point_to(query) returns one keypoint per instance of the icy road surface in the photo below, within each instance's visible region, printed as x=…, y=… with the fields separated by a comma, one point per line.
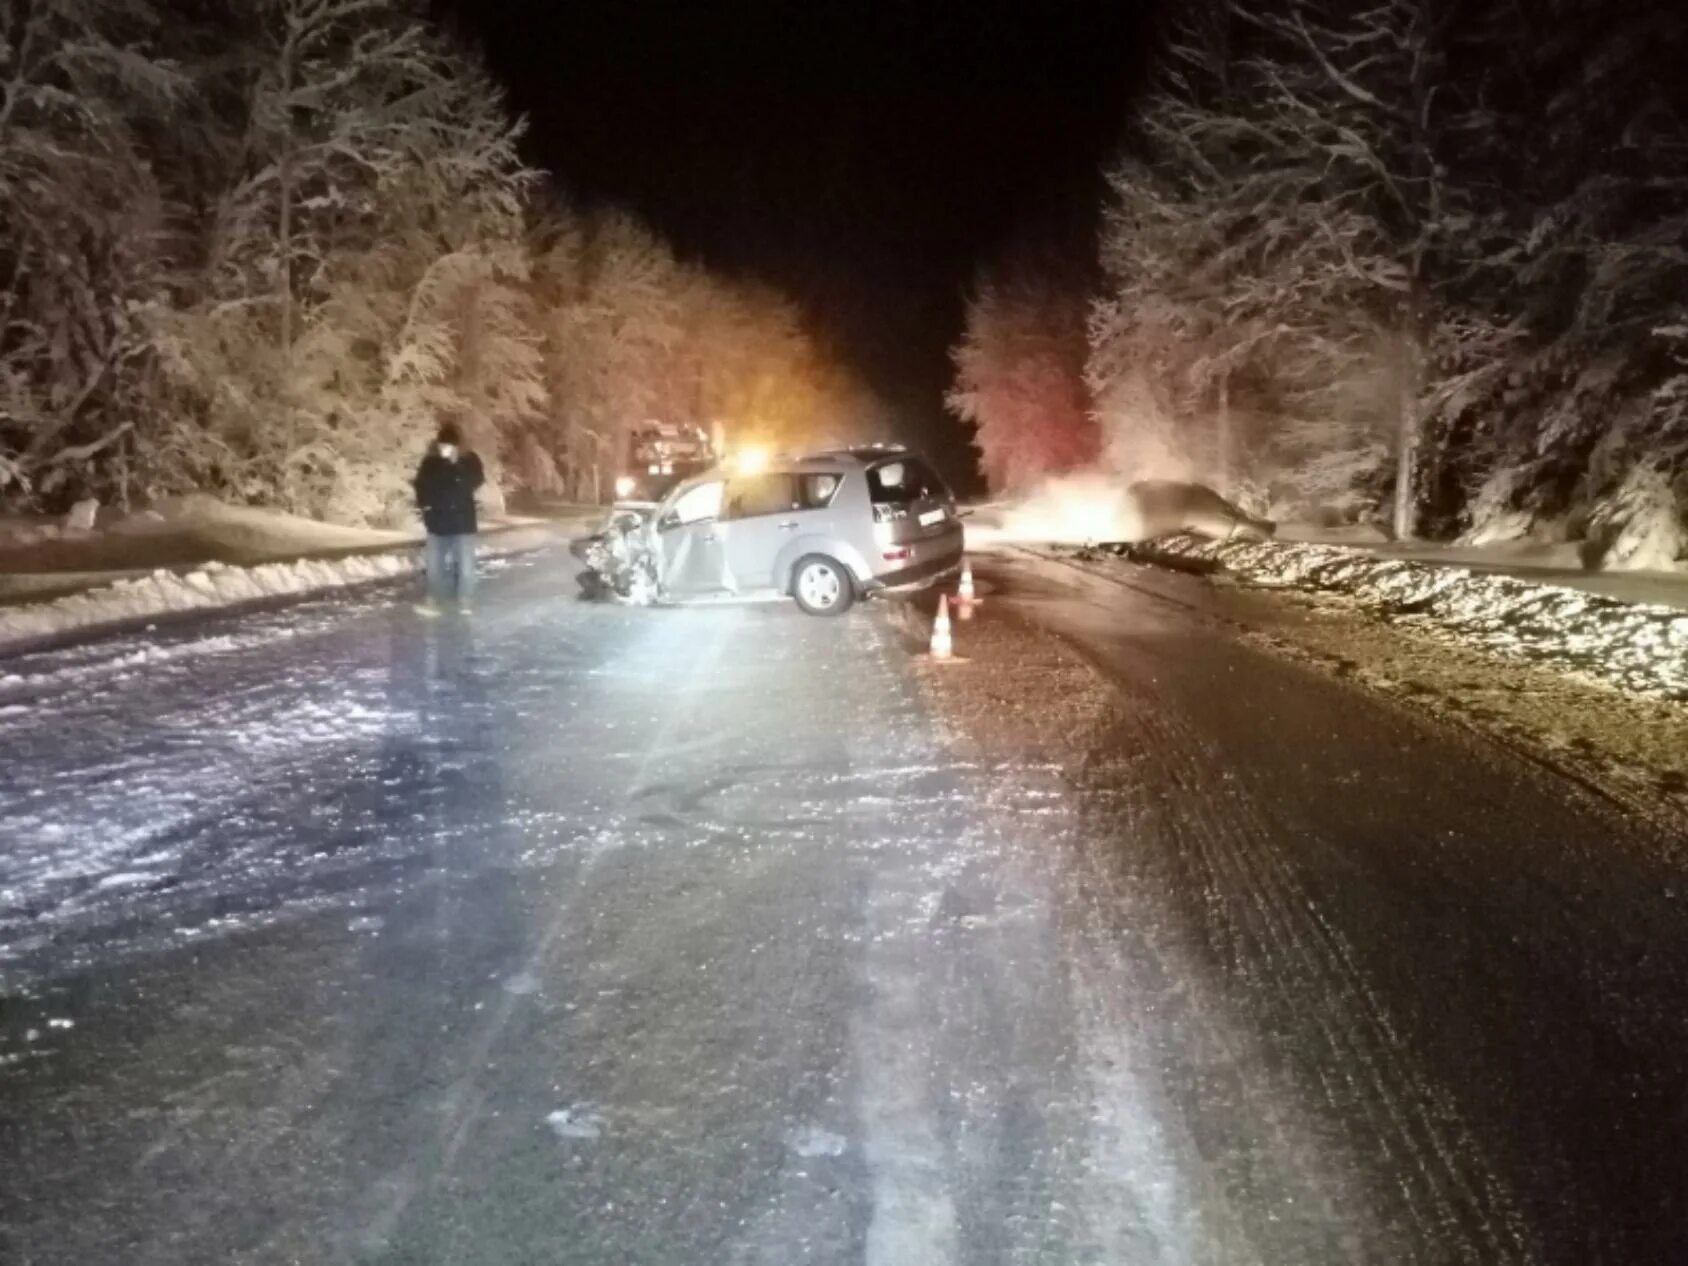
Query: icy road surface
x=586, y=934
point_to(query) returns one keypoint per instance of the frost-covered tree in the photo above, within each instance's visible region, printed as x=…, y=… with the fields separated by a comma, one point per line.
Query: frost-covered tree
x=1421, y=256
x=1580, y=432
x=761, y=371
x=1355, y=96
x=365, y=273
x=608, y=293
x=82, y=223
x=261, y=248
x=630, y=334
x=1280, y=244
x=1239, y=332
x=1019, y=372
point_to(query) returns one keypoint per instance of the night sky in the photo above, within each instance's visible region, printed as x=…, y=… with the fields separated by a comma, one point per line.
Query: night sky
x=863, y=158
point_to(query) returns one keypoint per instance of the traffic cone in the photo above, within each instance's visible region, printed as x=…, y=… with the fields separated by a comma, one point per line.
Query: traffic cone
x=965, y=598
x=942, y=647
x=965, y=593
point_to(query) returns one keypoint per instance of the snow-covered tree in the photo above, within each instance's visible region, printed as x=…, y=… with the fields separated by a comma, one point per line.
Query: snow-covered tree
x=607, y=291
x=1279, y=242
x=82, y=222
x=631, y=334
x=1423, y=256
x=261, y=248
x=1582, y=430
x=366, y=274
x=1020, y=369
x=761, y=371
x=1237, y=324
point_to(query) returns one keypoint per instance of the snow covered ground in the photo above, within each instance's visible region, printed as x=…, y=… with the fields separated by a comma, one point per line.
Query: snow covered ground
x=724, y=934
x=39, y=553
x=1091, y=510
x=211, y=586
x=1217, y=775
x=163, y=591
x=1640, y=648
x=717, y=935
x=1546, y=562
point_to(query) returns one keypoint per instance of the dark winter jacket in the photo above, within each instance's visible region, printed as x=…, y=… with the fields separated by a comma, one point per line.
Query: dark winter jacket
x=445, y=492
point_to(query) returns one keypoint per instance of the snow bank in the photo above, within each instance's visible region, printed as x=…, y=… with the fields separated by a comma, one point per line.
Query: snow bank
x=214, y=585
x=1639, y=527
x=255, y=531
x=1630, y=646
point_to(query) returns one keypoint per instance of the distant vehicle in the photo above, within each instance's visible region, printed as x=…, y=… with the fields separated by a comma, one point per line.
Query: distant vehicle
x=1160, y=507
x=660, y=455
x=824, y=529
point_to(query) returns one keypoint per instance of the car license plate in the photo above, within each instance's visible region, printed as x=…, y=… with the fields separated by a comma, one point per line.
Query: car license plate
x=931, y=517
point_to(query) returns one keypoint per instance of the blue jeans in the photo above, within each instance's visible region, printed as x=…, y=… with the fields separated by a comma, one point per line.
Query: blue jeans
x=451, y=567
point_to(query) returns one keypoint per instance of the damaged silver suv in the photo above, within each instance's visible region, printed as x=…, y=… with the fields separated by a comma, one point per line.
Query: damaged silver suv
x=824, y=529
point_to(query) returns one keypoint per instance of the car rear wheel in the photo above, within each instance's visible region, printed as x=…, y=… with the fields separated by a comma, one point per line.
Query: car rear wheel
x=822, y=585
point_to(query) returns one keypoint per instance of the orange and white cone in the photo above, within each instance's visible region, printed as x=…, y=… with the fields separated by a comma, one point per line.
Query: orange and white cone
x=965, y=597
x=942, y=647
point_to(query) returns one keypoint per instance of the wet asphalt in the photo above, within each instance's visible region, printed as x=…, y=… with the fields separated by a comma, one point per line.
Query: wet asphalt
x=576, y=933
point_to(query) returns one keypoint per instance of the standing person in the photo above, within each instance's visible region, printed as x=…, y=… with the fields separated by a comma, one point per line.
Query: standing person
x=445, y=493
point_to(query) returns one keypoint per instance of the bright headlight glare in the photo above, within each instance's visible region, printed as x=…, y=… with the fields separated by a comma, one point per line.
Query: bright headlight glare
x=751, y=460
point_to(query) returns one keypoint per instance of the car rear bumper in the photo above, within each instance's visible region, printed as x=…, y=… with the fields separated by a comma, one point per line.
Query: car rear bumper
x=925, y=572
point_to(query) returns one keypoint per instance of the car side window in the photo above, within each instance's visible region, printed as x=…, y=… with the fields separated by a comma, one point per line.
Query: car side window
x=816, y=491
x=697, y=505
x=771, y=492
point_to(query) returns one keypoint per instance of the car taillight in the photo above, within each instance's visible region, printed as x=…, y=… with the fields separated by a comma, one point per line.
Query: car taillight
x=896, y=555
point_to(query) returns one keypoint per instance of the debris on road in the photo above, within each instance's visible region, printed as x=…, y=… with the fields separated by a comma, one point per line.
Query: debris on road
x=576, y=1122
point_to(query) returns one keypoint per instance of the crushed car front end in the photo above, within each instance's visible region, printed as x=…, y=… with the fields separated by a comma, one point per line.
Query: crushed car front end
x=620, y=562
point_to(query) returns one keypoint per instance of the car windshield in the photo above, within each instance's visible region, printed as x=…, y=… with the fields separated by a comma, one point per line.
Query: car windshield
x=902, y=480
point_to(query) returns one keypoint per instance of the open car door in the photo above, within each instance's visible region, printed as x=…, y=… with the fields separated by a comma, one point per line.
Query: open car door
x=691, y=562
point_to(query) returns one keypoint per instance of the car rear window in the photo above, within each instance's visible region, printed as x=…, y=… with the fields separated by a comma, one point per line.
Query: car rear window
x=904, y=479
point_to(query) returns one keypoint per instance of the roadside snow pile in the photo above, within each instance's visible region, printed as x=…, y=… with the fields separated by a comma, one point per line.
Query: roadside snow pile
x=1633, y=647
x=214, y=585
x=255, y=533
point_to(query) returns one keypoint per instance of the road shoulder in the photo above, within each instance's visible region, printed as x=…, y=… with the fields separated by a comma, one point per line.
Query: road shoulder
x=1628, y=749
